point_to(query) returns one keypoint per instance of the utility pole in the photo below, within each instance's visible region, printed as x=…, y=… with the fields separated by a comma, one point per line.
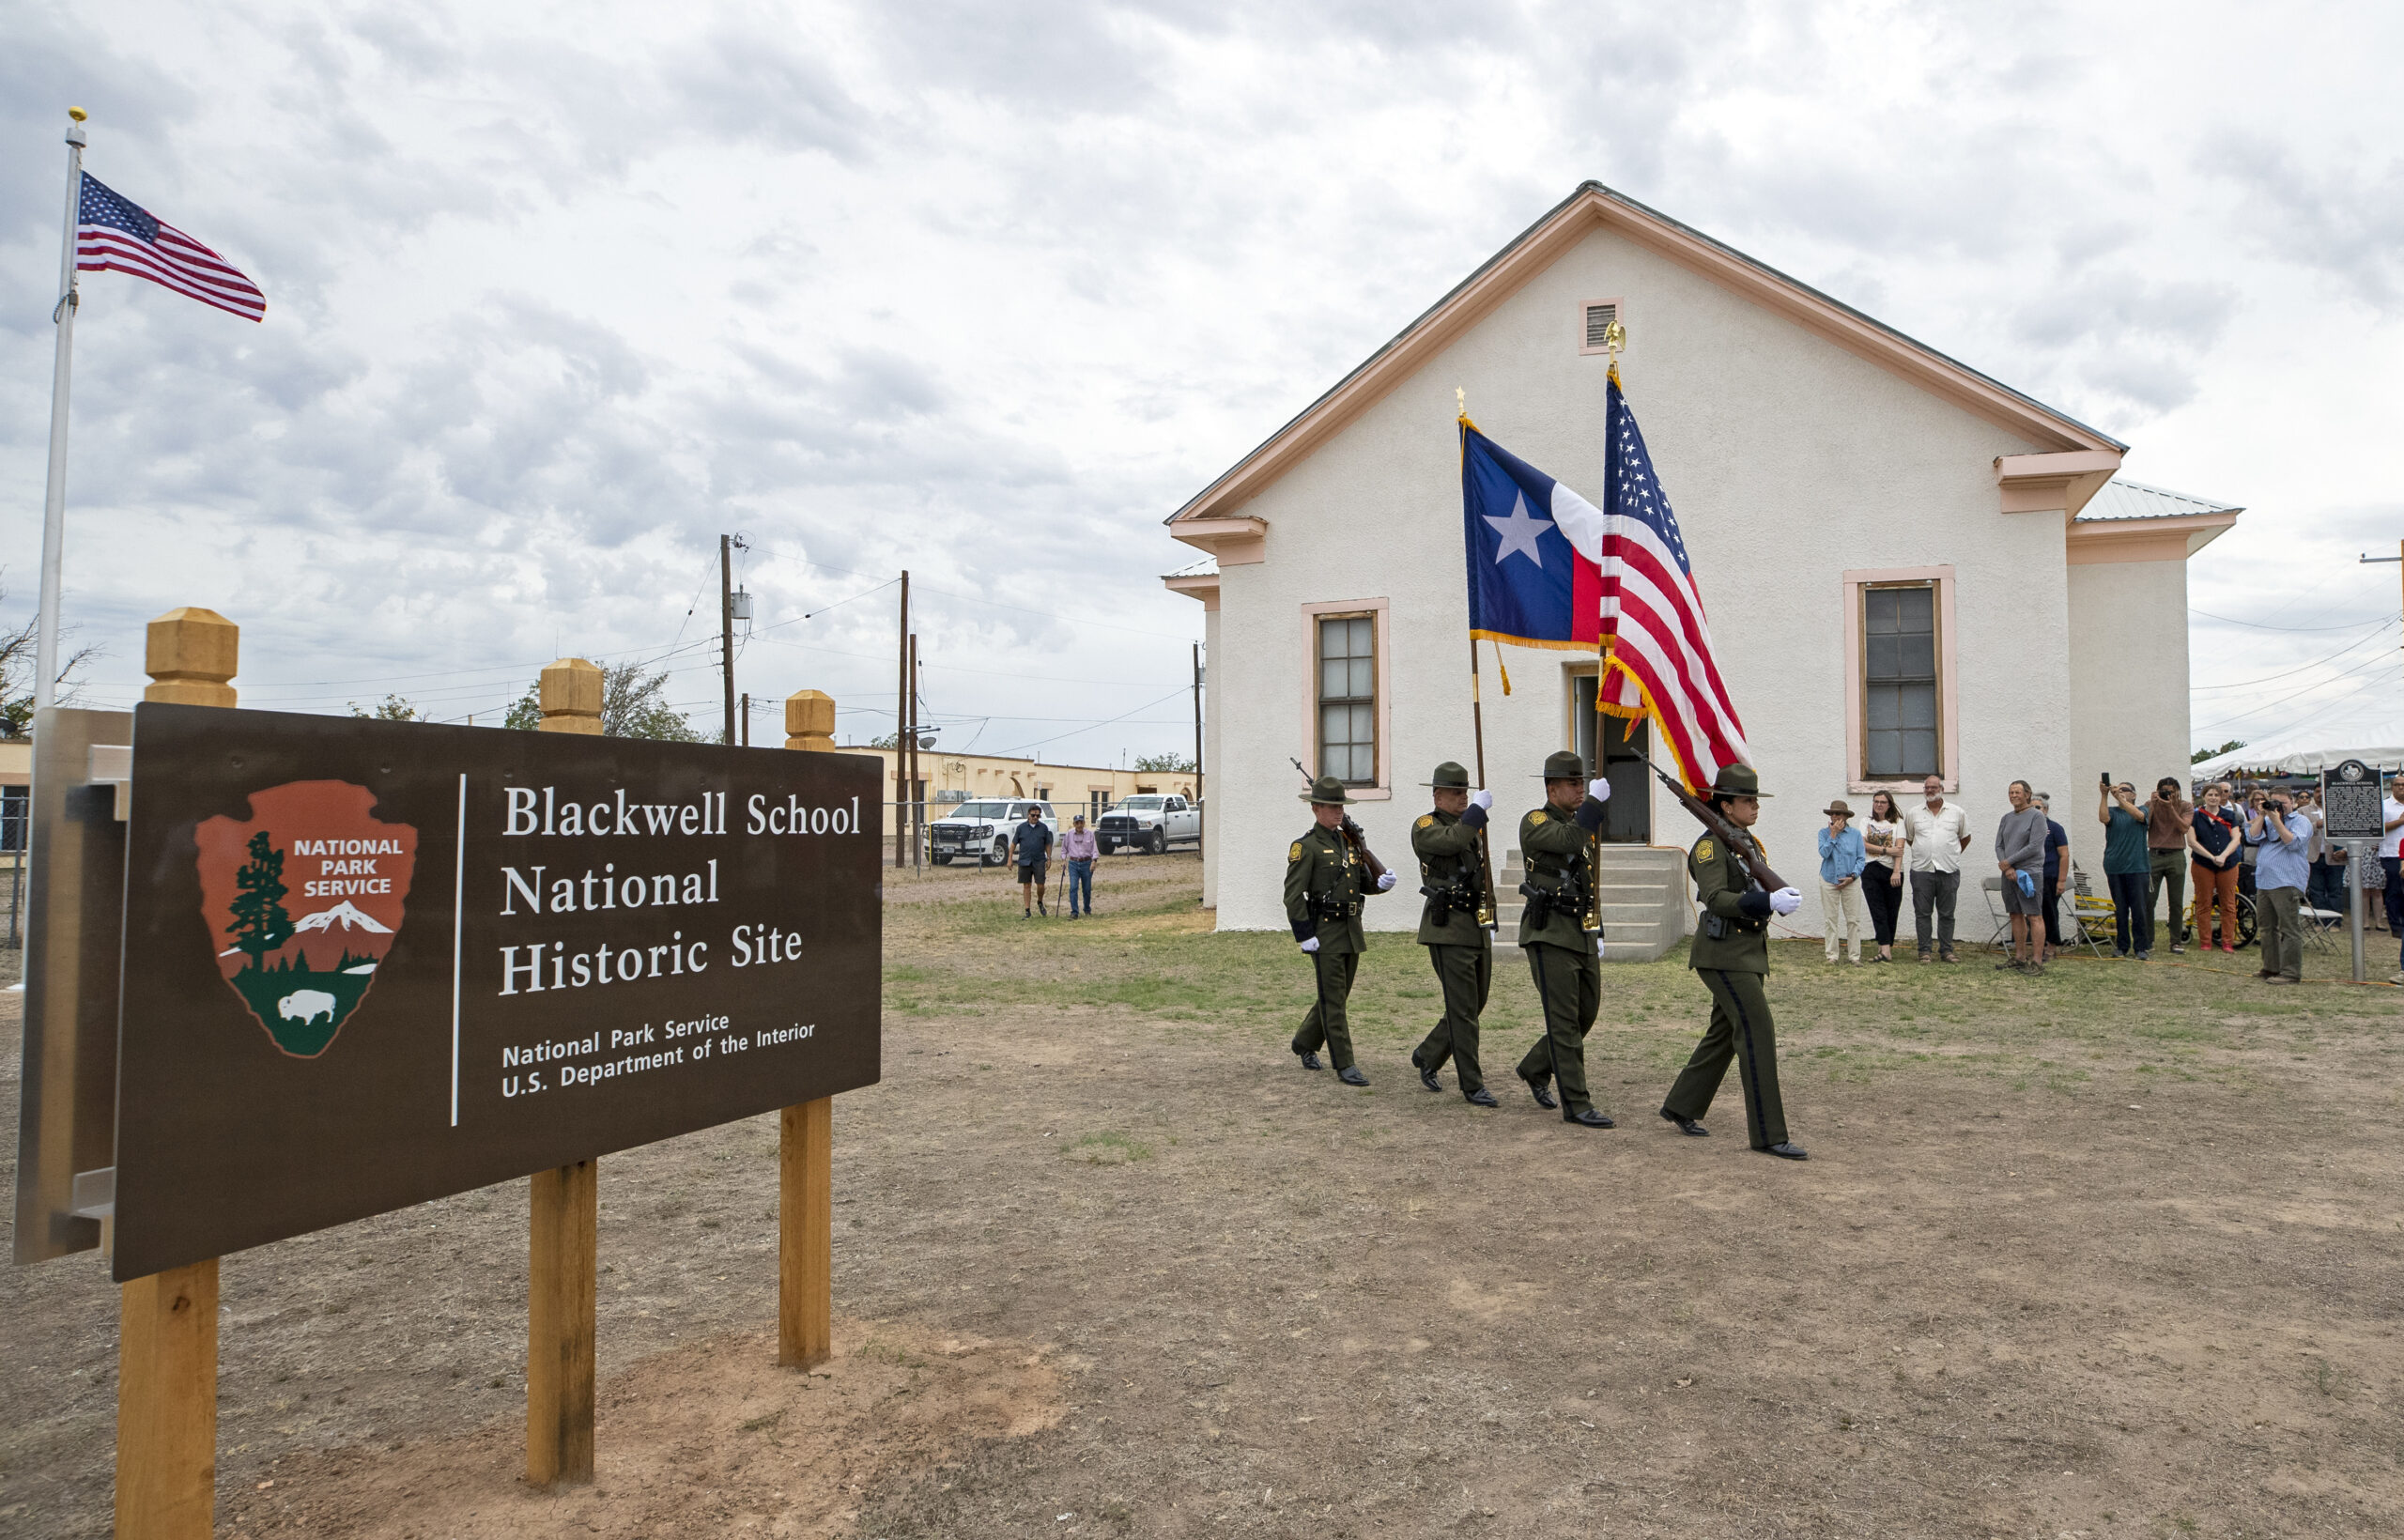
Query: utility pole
x=918, y=809
x=731, y=607
x=747, y=719
x=901, y=729
x=2375, y=560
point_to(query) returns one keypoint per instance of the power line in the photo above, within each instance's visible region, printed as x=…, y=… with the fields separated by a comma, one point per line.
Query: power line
x=1105, y=722
x=973, y=598
x=2366, y=637
x=2371, y=663
x=2258, y=625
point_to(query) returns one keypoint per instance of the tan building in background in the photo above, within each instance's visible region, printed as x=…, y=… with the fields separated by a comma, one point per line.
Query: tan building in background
x=953, y=778
x=16, y=784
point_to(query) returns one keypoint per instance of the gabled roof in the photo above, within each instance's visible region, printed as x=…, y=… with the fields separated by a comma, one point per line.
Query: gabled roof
x=1544, y=242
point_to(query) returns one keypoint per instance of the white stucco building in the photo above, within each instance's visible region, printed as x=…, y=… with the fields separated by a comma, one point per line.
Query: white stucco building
x=1909, y=565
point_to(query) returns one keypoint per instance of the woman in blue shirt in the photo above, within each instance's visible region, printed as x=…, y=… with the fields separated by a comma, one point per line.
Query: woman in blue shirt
x=1840, y=862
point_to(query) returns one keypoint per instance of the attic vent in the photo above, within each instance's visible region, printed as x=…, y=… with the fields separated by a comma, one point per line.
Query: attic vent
x=1599, y=316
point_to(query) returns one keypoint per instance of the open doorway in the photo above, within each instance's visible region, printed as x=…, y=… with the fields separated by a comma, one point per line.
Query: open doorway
x=1626, y=751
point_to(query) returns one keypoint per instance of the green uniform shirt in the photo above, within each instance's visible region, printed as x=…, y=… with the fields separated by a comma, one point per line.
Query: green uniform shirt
x=1323, y=889
x=1449, y=858
x=1720, y=882
x=1560, y=854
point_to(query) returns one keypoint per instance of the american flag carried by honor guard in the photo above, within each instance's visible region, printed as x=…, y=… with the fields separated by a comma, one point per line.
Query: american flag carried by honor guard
x=1656, y=641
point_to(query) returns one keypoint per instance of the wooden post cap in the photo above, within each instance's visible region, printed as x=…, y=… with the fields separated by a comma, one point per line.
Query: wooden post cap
x=809, y=720
x=571, y=697
x=189, y=653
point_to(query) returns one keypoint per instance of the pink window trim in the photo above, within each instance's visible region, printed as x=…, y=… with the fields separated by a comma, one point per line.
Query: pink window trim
x=1619, y=313
x=1380, y=611
x=1949, y=710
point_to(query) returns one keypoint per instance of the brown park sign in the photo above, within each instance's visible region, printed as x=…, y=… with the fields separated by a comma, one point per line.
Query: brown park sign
x=371, y=964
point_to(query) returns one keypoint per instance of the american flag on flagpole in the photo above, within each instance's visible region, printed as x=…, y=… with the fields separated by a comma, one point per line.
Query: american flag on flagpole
x=1656, y=640
x=112, y=233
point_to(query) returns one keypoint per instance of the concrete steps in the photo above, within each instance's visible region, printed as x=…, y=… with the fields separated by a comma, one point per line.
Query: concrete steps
x=1644, y=903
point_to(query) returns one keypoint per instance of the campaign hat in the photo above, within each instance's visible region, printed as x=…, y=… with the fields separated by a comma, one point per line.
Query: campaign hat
x=1326, y=789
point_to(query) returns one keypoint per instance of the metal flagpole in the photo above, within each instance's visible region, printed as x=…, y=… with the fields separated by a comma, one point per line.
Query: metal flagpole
x=1478, y=715
x=53, y=510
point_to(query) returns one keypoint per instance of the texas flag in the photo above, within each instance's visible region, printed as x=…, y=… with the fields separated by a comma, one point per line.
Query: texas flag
x=1530, y=584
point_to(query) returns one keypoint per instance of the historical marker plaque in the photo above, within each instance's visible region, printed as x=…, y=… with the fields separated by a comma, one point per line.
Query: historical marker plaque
x=2349, y=801
x=370, y=964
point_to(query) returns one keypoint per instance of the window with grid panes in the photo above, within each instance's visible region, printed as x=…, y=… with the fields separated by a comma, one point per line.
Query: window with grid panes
x=1899, y=736
x=1347, y=699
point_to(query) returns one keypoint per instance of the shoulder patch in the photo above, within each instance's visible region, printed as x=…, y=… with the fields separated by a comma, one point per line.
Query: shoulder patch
x=1707, y=849
x=1424, y=819
x=1294, y=854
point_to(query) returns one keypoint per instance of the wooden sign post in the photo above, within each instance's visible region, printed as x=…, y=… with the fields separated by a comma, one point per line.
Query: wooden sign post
x=564, y=1214
x=727, y=901
x=166, y=1345
x=805, y=1151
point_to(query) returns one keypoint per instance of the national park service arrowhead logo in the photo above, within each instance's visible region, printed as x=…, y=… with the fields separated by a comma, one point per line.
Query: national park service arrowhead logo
x=303, y=901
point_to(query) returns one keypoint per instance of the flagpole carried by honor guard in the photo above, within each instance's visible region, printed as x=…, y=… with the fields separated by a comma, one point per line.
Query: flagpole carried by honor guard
x=53, y=510
x=1477, y=728
x=1614, y=338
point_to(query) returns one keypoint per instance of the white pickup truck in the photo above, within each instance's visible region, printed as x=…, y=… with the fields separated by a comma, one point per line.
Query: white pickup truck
x=1150, y=822
x=982, y=830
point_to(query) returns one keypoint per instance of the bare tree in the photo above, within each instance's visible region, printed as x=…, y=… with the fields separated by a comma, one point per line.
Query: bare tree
x=18, y=650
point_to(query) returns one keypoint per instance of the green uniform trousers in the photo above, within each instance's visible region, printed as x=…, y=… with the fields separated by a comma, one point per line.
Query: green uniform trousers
x=1467, y=976
x=1740, y=1028
x=1569, y=981
x=1326, y=1026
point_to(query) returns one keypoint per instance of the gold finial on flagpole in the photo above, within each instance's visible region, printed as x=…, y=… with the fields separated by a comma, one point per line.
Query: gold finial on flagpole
x=76, y=113
x=1614, y=338
x=1462, y=396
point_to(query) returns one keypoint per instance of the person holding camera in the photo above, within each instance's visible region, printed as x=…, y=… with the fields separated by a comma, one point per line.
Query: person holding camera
x=2168, y=813
x=2281, y=836
x=2128, y=865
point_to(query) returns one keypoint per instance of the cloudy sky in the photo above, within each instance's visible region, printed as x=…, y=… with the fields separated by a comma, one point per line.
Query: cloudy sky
x=559, y=293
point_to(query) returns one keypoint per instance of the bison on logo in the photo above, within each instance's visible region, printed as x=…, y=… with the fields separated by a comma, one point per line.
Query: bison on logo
x=302, y=901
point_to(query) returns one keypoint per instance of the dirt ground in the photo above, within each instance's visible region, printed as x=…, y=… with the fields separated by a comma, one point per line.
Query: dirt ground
x=2113, y=1252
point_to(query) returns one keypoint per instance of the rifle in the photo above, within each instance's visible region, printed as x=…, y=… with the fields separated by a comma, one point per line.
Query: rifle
x=1708, y=816
x=1353, y=837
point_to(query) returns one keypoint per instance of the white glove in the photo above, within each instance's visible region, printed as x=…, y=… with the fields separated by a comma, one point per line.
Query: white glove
x=1385, y=882
x=1311, y=946
x=1786, y=900
x=1598, y=945
x=1599, y=790
x=1481, y=798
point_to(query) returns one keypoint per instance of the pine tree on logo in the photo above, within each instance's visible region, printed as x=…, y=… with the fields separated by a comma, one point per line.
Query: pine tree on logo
x=260, y=924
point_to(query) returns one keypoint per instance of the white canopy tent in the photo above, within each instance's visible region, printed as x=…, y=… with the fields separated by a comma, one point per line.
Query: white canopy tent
x=2307, y=753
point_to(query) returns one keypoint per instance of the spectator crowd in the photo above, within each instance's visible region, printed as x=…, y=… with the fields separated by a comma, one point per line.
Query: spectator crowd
x=2230, y=846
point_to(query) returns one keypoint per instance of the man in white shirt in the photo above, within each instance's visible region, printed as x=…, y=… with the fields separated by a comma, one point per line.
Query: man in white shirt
x=2391, y=818
x=1938, y=833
